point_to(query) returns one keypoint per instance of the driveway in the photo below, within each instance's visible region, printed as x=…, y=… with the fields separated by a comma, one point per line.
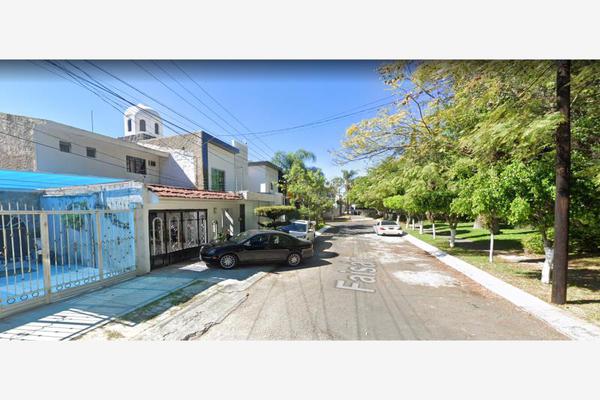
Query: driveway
x=360, y=286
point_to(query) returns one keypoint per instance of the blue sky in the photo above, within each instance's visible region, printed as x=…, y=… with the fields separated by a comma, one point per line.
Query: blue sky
x=264, y=95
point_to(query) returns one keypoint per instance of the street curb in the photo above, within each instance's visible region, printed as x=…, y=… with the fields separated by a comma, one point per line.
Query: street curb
x=225, y=287
x=571, y=326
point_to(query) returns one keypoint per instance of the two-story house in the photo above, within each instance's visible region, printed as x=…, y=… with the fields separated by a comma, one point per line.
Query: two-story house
x=194, y=186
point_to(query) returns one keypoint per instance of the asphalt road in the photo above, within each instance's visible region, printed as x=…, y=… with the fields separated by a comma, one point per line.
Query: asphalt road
x=363, y=287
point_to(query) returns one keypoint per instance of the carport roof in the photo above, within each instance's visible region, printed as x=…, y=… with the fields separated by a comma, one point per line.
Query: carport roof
x=185, y=193
x=30, y=180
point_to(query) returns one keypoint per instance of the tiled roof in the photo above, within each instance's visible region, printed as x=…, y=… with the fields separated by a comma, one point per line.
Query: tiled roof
x=183, y=193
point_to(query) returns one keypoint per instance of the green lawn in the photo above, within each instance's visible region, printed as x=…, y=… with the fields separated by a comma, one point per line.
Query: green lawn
x=584, y=270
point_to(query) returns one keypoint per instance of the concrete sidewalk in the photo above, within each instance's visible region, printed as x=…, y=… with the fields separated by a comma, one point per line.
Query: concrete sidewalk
x=73, y=317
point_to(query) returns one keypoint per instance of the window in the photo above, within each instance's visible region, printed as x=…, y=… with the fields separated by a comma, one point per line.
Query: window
x=128, y=124
x=258, y=240
x=217, y=180
x=152, y=163
x=64, y=146
x=156, y=129
x=142, y=125
x=281, y=241
x=90, y=152
x=136, y=165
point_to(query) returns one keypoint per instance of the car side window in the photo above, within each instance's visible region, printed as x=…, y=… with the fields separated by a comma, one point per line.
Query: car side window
x=258, y=240
x=280, y=241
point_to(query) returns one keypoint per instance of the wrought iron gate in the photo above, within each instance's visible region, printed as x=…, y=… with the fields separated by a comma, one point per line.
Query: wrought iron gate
x=46, y=255
x=176, y=235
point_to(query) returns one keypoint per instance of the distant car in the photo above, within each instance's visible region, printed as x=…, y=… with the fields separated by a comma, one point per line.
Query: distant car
x=387, y=228
x=256, y=246
x=299, y=228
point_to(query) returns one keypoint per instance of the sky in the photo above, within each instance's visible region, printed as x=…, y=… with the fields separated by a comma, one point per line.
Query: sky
x=263, y=95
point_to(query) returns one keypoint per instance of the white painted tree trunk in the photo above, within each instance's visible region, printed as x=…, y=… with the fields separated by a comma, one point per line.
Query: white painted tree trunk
x=413, y=224
x=548, y=264
x=452, y=237
x=433, y=232
x=492, y=247
x=421, y=227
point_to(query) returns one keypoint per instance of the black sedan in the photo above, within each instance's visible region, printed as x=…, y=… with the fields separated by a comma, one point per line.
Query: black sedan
x=256, y=246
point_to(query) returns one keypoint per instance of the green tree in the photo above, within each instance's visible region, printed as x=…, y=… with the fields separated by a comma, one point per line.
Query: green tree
x=310, y=189
x=347, y=177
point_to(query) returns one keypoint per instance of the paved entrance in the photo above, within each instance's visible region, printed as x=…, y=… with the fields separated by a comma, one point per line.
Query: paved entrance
x=70, y=318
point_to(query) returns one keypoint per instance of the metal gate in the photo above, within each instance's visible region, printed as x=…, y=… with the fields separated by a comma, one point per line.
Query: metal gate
x=46, y=255
x=176, y=235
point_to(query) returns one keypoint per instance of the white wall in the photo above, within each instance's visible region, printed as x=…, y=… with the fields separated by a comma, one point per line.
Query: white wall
x=151, y=117
x=224, y=160
x=260, y=178
x=241, y=164
x=110, y=158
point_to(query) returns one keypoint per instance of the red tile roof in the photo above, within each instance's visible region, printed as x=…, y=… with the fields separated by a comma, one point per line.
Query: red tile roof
x=183, y=193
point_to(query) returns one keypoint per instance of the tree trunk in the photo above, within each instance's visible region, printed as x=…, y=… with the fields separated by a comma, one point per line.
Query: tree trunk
x=421, y=226
x=452, y=236
x=491, y=246
x=407, y=222
x=563, y=174
x=433, y=231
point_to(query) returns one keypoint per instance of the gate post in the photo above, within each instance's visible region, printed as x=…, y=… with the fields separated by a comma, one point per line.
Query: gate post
x=142, y=238
x=99, y=245
x=44, y=236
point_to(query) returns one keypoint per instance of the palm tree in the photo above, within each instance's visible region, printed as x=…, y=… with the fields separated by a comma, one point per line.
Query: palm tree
x=285, y=160
x=348, y=176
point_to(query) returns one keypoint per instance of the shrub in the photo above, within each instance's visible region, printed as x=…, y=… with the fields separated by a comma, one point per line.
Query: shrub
x=533, y=244
x=581, y=240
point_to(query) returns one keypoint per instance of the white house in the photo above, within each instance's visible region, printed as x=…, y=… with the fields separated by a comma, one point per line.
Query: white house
x=186, y=177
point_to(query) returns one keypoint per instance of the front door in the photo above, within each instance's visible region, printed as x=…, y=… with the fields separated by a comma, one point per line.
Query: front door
x=256, y=249
x=176, y=235
x=279, y=246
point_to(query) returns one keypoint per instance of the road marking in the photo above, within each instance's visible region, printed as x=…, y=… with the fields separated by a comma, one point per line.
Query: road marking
x=360, y=273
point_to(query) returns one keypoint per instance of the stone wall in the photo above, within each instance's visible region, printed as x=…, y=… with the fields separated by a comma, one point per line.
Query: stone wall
x=16, y=153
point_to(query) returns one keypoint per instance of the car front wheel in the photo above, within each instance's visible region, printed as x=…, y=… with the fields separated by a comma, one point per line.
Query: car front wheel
x=228, y=261
x=294, y=259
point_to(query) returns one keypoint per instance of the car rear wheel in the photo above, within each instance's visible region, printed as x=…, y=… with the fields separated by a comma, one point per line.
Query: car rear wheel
x=228, y=261
x=294, y=259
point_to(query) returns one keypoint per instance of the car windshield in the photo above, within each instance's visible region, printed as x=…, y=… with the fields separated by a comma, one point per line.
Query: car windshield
x=388, y=223
x=240, y=237
x=298, y=227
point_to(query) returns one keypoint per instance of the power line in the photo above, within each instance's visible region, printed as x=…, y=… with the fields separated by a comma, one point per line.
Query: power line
x=177, y=93
x=219, y=104
x=166, y=121
x=272, y=132
x=264, y=153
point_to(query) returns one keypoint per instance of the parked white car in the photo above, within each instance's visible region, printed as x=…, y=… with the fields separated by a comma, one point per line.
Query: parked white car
x=301, y=229
x=387, y=228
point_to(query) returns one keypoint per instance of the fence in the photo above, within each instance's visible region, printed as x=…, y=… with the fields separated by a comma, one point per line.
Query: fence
x=46, y=255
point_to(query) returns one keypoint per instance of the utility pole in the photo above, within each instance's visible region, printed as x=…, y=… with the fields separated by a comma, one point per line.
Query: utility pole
x=563, y=174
